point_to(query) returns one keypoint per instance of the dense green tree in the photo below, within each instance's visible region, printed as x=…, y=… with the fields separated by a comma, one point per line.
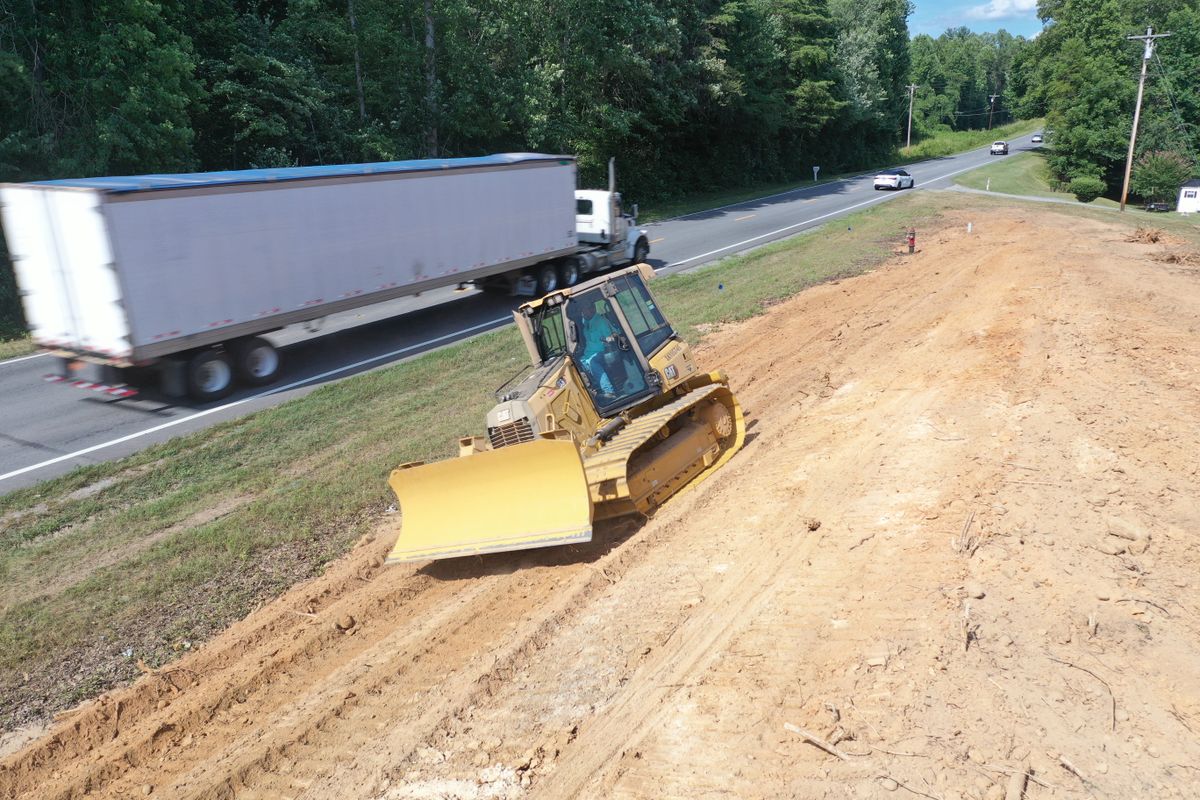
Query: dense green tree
x=106, y=87
x=872, y=57
x=1158, y=174
x=1084, y=75
x=967, y=80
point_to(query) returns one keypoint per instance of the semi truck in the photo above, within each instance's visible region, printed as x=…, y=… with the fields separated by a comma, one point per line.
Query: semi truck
x=170, y=281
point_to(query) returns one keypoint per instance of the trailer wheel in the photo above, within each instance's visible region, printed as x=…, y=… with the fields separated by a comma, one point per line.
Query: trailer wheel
x=547, y=279
x=641, y=250
x=209, y=375
x=255, y=360
x=568, y=272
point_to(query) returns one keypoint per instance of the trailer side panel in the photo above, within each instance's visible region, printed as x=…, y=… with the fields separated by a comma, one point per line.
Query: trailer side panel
x=202, y=260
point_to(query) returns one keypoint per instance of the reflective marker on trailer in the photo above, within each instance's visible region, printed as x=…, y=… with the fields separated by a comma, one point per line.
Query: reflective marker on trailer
x=112, y=391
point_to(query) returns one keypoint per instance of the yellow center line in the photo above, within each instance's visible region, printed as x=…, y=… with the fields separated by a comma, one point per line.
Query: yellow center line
x=656, y=241
x=811, y=200
x=748, y=216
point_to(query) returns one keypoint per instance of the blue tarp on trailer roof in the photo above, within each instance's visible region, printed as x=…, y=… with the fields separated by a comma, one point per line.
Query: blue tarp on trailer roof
x=143, y=183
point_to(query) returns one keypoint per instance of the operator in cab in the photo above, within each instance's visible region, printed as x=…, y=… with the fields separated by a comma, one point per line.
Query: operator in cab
x=598, y=333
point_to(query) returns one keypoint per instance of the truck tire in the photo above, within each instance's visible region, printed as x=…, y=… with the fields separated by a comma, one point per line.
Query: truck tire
x=209, y=375
x=641, y=250
x=547, y=279
x=255, y=361
x=568, y=272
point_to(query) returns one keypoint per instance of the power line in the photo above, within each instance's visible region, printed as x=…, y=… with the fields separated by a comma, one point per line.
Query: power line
x=1166, y=83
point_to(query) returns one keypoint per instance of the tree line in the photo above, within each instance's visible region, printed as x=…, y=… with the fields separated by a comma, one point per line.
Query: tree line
x=689, y=95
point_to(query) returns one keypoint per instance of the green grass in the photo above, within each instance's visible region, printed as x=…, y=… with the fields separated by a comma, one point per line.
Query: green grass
x=174, y=543
x=1023, y=173
x=1028, y=174
x=19, y=346
x=951, y=142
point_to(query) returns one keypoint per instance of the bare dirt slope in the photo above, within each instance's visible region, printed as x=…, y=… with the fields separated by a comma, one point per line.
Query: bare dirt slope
x=961, y=543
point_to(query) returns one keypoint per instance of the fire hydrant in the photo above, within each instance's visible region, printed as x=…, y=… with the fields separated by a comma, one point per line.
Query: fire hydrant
x=912, y=240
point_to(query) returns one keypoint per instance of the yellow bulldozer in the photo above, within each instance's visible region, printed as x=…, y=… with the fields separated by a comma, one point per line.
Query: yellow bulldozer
x=612, y=418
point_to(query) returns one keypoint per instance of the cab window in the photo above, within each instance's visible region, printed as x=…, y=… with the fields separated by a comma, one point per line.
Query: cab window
x=583, y=208
x=645, y=320
x=551, y=339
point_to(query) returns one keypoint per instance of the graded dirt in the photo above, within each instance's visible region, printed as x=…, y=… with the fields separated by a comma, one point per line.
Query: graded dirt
x=998, y=439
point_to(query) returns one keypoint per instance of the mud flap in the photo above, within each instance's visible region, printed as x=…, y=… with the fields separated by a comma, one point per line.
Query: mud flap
x=515, y=498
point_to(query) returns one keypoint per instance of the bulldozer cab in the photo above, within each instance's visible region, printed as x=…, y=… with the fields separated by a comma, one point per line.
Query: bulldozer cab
x=609, y=328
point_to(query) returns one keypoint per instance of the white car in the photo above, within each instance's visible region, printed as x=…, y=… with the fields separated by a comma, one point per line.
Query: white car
x=999, y=149
x=1037, y=138
x=894, y=179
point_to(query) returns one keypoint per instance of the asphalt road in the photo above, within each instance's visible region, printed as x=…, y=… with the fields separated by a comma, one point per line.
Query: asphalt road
x=47, y=429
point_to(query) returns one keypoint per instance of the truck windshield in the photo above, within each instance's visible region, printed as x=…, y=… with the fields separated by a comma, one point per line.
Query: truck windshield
x=548, y=331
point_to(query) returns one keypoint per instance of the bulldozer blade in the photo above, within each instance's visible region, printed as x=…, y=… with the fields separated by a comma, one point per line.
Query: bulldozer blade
x=515, y=498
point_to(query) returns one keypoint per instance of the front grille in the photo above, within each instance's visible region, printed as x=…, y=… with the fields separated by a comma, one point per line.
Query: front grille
x=514, y=432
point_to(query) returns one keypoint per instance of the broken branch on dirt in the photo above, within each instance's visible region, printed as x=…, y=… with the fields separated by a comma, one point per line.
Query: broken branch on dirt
x=1175, y=713
x=815, y=740
x=302, y=613
x=1071, y=768
x=1147, y=602
x=964, y=543
x=1028, y=773
x=1111, y=696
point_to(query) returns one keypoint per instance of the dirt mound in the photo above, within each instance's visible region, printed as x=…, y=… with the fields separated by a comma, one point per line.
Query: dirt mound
x=960, y=544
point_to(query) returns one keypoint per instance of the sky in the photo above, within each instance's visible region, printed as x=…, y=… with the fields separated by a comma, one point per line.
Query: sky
x=1018, y=17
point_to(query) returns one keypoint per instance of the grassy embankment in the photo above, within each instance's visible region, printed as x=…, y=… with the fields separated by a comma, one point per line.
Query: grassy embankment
x=17, y=346
x=948, y=144
x=138, y=558
x=1028, y=174
x=943, y=144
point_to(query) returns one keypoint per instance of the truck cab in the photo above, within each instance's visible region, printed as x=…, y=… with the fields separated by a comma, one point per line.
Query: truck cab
x=600, y=217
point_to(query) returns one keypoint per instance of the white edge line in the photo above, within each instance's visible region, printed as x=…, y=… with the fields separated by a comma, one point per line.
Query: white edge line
x=808, y=221
x=22, y=358
x=244, y=400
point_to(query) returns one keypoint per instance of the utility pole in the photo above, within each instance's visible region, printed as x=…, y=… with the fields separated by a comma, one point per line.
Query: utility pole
x=912, y=88
x=1137, y=110
x=991, y=108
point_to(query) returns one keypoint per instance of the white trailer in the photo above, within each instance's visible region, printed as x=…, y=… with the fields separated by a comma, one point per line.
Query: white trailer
x=183, y=273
